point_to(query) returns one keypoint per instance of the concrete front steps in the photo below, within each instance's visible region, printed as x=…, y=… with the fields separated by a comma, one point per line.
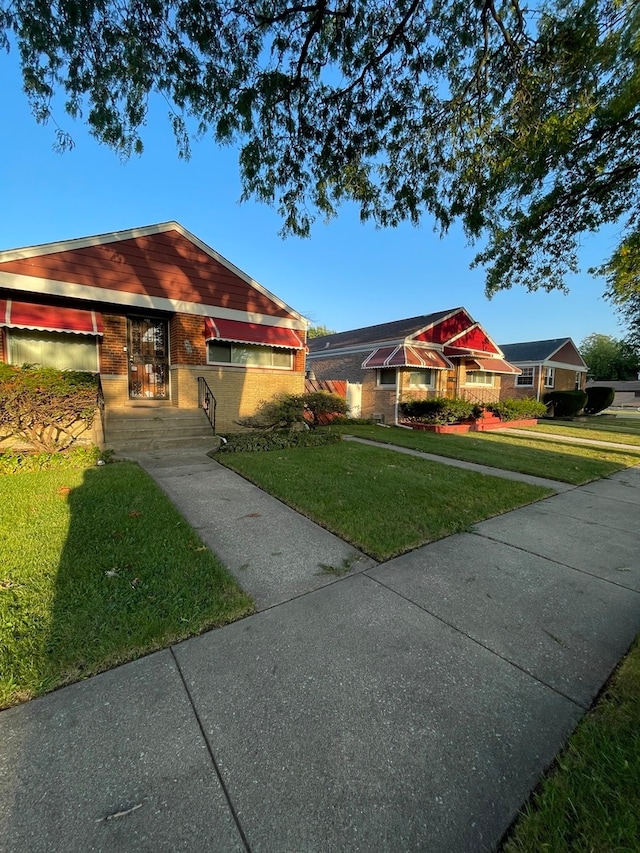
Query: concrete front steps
x=153, y=427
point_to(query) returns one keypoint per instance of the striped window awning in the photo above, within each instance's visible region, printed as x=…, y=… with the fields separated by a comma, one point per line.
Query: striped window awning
x=406, y=356
x=251, y=333
x=47, y=318
x=492, y=365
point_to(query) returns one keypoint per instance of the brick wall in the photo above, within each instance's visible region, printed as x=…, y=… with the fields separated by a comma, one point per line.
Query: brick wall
x=114, y=359
x=238, y=391
x=186, y=339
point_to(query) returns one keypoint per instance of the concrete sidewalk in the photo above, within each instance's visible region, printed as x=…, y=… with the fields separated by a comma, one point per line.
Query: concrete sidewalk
x=410, y=705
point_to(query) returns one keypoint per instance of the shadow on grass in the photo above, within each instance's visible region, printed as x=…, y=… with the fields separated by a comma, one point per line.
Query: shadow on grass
x=133, y=577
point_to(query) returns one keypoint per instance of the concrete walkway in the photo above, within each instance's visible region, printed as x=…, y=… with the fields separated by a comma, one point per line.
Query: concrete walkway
x=405, y=706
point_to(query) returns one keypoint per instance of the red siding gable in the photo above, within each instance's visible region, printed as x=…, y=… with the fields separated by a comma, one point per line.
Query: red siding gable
x=166, y=265
x=446, y=329
x=475, y=339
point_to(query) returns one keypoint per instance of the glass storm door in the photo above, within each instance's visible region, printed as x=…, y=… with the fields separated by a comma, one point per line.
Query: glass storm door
x=148, y=359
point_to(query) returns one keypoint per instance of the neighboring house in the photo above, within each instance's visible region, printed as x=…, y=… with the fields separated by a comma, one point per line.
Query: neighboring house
x=554, y=365
x=446, y=354
x=150, y=310
x=627, y=393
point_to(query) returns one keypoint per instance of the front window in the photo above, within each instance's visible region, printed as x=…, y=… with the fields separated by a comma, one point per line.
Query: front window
x=53, y=349
x=248, y=355
x=421, y=379
x=387, y=377
x=548, y=377
x=525, y=379
x=480, y=377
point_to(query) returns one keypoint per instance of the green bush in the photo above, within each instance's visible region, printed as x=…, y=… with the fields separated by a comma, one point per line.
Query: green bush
x=45, y=407
x=438, y=410
x=513, y=409
x=254, y=442
x=565, y=404
x=598, y=399
x=321, y=407
x=285, y=411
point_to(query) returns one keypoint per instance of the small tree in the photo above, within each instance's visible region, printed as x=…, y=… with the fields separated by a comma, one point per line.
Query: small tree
x=321, y=407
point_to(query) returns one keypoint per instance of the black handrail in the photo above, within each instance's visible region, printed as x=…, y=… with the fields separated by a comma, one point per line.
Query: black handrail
x=101, y=407
x=207, y=401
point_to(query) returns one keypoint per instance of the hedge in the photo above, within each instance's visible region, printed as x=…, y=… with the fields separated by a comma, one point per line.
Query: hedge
x=565, y=404
x=598, y=398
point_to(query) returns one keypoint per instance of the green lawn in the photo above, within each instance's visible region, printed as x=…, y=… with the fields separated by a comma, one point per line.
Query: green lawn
x=526, y=454
x=382, y=503
x=97, y=568
x=590, y=801
x=618, y=430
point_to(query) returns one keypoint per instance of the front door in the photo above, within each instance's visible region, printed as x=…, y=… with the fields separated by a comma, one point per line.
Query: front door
x=148, y=358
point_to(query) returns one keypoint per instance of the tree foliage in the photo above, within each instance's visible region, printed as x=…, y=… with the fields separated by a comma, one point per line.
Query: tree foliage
x=609, y=359
x=319, y=331
x=522, y=122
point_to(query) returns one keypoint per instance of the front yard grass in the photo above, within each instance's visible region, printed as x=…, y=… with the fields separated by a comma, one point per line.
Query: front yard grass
x=590, y=801
x=569, y=463
x=382, y=503
x=618, y=430
x=97, y=568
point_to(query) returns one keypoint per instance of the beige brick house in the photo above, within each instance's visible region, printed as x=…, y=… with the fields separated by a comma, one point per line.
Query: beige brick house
x=150, y=310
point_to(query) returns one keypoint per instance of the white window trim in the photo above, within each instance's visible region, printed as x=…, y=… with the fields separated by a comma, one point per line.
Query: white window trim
x=549, y=377
x=235, y=365
x=520, y=376
x=490, y=384
x=427, y=385
x=379, y=384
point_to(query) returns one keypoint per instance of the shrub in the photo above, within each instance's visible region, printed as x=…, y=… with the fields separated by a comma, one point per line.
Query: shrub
x=45, y=407
x=321, y=407
x=565, y=404
x=598, y=398
x=282, y=412
x=513, y=409
x=438, y=410
x=288, y=410
x=254, y=442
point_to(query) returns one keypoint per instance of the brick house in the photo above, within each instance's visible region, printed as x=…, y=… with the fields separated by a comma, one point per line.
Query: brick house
x=554, y=365
x=445, y=354
x=150, y=310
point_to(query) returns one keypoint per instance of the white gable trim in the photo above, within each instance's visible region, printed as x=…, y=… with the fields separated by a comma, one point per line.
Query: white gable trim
x=36, y=286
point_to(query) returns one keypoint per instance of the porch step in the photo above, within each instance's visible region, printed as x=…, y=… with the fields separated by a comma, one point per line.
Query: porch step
x=155, y=428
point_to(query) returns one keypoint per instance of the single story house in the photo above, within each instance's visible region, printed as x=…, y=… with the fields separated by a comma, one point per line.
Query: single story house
x=553, y=365
x=150, y=310
x=445, y=354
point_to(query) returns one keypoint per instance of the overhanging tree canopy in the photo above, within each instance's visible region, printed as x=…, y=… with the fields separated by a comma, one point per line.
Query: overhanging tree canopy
x=521, y=122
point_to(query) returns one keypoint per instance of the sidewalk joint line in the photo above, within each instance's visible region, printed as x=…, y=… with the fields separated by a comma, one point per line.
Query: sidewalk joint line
x=556, y=562
x=225, y=791
x=481, y=644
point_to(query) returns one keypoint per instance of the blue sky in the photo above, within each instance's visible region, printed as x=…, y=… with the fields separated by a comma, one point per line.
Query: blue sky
x=346, y=275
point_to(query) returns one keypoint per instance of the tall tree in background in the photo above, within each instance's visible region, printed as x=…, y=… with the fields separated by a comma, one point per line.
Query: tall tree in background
x=609, y=359
x=521, y=122
x=319, y=331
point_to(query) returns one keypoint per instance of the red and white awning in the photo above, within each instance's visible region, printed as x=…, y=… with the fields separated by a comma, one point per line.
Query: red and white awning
x=46, y=318
x=251, y=333
x=406, y=356
x=493, y=365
